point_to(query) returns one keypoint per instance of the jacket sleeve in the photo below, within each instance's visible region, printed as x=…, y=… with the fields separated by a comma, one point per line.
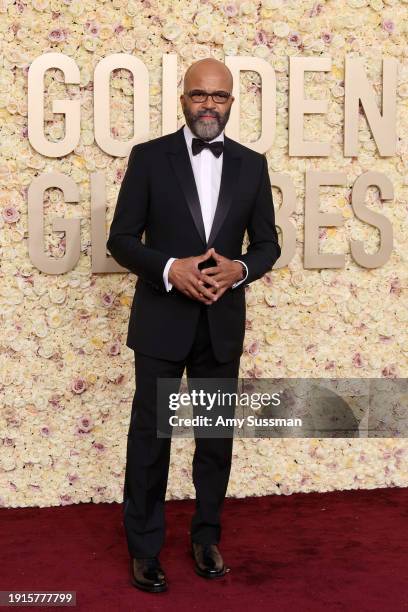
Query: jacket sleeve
x=128, y=224
x=263, y=249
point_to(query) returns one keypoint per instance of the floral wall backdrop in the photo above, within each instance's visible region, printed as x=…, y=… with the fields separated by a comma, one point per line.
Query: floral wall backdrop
x=66, y=376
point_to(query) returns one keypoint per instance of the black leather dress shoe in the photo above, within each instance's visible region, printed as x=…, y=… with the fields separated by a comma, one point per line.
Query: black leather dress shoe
x=208, y=560
x=148, y=575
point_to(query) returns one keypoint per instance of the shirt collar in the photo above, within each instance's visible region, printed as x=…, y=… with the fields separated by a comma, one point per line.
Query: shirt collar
x=188, y=134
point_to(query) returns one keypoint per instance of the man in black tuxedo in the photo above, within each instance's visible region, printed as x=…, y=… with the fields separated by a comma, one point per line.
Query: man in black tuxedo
x=193, y=193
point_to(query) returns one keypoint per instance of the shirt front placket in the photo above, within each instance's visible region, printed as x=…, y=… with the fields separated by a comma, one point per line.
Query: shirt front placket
x=205, y=183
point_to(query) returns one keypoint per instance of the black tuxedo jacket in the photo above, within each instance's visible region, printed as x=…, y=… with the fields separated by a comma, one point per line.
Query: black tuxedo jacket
x=159, y=197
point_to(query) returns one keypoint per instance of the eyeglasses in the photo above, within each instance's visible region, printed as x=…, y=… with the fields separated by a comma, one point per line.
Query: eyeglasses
x=219, y=97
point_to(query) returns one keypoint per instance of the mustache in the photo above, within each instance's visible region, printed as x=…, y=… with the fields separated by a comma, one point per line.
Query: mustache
x=206, y=113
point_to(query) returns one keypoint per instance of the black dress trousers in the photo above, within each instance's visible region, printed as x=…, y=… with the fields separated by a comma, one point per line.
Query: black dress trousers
x=148, y=456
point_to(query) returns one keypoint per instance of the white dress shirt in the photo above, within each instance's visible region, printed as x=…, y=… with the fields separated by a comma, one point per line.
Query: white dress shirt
x=207, y=173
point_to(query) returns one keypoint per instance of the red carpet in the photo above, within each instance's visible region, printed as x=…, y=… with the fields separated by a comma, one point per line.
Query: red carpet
x=342, y=550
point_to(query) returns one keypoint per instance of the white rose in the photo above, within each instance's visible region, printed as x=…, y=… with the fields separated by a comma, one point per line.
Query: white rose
x=230, y=47
x=40, y=5
x=247, y=7
x=272, y=4
x=127, y=42
x=46, y=349
x=171, y=30
x=54, y=318
x=57, y=296
x=281, y=29
x=76, y=8
x=205, y=34
x=357, y=3
x=262, y=51
x=8, y=464
x=377, y=5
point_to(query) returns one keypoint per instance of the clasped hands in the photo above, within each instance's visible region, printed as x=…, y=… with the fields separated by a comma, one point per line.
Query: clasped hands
x=186, y=276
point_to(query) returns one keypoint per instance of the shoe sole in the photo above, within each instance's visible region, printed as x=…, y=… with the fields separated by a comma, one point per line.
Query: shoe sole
x=142, y=587
x=209, y=576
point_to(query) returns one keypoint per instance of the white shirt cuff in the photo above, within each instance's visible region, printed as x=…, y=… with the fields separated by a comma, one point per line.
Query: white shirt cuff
x=242, y=279
x=167, y=283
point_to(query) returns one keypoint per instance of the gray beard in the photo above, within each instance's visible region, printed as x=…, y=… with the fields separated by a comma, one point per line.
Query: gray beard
x=207, y=130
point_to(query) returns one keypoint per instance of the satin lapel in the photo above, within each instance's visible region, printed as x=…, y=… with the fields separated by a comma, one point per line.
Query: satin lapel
x=229, y=179
x=182, y=167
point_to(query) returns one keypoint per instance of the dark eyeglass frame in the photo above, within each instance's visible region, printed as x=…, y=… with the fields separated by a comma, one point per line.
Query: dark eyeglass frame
x=204, y=95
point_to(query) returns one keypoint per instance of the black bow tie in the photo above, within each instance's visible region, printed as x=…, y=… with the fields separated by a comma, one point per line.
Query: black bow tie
x=198, y=145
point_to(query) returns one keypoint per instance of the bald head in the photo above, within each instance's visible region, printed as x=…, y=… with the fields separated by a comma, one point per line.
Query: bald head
x=207, y=118
x=208, y=73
